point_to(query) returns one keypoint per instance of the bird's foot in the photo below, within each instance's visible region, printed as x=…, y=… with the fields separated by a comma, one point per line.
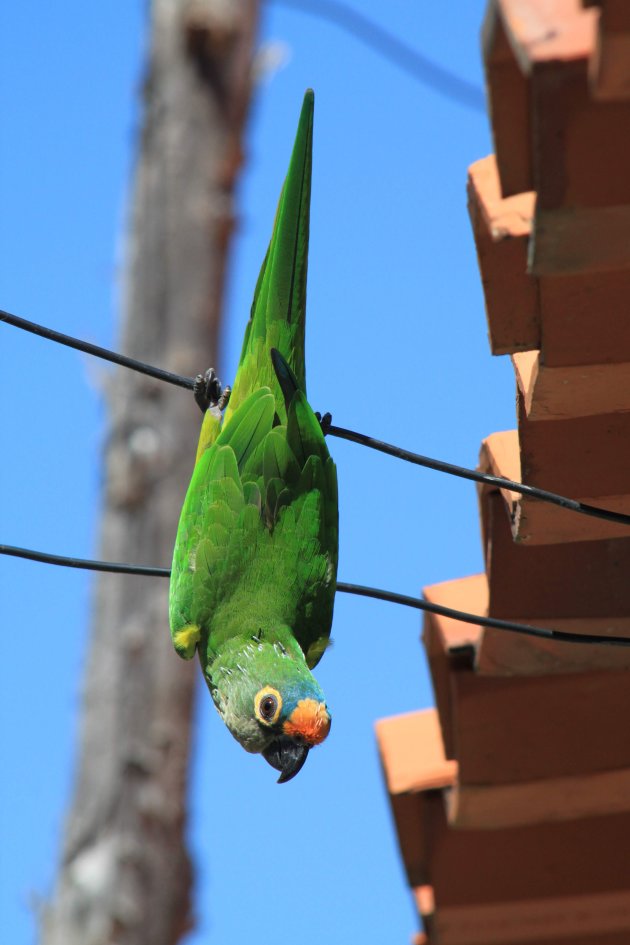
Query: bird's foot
x=224, y=399
x=325, y=422
x=209, y=392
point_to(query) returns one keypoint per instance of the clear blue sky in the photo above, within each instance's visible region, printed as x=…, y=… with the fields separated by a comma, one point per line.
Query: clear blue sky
x=396, y=348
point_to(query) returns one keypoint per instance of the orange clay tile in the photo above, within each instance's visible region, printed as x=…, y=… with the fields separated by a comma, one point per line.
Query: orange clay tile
x=413, y=760
x=575, y=580
x=425, y=904
x=402, y=739
x=512, y=802
x=519, y=38
x=505, y=654
x=450, y=642
x=527, y=728
x=522, y=883
x=578, y=457
x=501, y=229
x=543, y=921
x=425, y=900
x=540, y=801
x=553, y=31
x=535, y=522
x=561, y=393
x=571, y=307
x=582, y=221
x=570, y=587
x=509, y=105
x=529, y=742
x=570, y=240
x=552, y=312
x=610, y=63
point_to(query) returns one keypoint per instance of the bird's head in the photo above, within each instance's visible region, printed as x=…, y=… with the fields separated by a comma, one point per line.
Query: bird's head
x=272, y=704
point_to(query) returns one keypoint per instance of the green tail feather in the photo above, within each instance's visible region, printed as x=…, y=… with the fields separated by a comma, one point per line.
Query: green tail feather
x=278, y=312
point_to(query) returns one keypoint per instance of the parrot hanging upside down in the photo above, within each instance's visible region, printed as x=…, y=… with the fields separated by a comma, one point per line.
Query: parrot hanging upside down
x=255, y=561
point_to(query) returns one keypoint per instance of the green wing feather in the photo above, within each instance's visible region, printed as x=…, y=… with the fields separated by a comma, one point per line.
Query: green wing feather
x=257, y=538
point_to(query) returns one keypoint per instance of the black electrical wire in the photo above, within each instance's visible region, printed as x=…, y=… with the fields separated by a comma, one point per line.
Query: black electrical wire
x=552, y=497
x=83, y=564
x=361, y=438
x=360, y=590
x=96, y=350
x=495, y=623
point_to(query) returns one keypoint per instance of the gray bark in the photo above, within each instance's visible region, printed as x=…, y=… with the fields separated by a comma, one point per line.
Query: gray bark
x=125, y=874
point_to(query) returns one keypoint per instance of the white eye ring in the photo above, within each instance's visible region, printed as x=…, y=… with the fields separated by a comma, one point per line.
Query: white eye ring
x=268, y=705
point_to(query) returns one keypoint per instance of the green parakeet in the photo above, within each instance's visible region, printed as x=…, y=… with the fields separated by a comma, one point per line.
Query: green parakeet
x=255, y=561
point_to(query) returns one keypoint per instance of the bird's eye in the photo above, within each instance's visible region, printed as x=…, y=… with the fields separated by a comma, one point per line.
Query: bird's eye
x=268, y=705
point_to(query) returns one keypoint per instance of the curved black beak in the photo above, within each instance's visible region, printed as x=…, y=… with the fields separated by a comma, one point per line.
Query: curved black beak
x=286, y=756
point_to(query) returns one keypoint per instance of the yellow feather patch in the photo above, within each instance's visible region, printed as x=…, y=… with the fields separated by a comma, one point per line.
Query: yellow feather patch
x=185, y=640
x=309, y=720
x=210, y=429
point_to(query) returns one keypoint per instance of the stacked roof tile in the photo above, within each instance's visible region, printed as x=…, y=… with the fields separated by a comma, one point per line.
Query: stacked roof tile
x=512, y=797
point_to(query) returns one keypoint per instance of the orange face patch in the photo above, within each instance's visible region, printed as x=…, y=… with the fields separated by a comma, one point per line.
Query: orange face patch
x=309, y=720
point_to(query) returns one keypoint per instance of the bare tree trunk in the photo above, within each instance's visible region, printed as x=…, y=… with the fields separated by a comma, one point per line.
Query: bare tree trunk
x=126, y=875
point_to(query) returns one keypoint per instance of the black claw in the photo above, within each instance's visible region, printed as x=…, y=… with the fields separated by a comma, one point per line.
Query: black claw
x=325, y=422
x=224, y=399
x=209, y=392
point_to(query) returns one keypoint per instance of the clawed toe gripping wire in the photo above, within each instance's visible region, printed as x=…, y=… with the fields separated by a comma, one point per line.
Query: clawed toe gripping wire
x=208, y=391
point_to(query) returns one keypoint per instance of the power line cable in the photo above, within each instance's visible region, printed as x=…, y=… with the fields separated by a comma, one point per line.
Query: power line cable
x=473, y=474
x=51, y=335
x=360, y=590
x=362, y=439
x=82, y=564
